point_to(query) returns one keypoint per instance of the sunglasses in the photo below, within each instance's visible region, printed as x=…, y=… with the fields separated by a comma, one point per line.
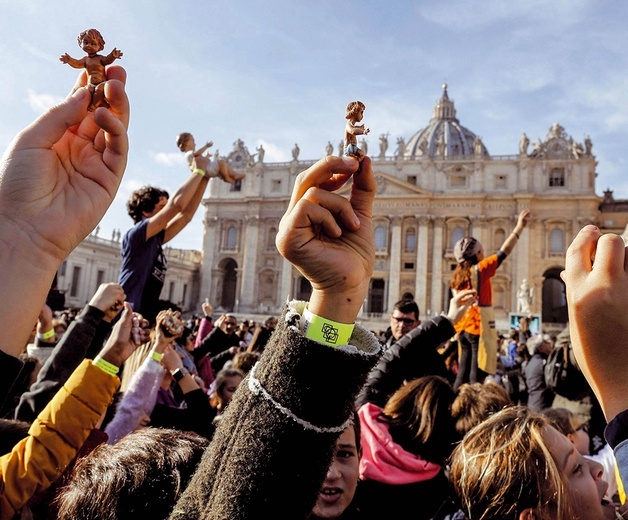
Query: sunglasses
x=407, y=321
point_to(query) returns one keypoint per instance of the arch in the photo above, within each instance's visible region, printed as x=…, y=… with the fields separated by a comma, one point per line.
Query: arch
x=229, y=284
x=554, y=297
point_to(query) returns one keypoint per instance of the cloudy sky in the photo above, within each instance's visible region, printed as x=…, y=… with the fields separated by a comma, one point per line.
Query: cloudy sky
x=281, y=72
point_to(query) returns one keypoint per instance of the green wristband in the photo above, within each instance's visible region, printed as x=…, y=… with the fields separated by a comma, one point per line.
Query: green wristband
x=105, y=366
x=199, y=171
x=157, y=356
x=326, y=331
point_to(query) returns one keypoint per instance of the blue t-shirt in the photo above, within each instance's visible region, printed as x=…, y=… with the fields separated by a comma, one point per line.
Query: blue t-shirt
x=143, y=269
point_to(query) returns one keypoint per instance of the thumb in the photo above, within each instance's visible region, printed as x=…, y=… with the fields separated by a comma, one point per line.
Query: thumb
x=46, y=130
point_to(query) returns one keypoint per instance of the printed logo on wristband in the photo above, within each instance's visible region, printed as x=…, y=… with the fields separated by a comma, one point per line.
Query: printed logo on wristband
x=326, y=331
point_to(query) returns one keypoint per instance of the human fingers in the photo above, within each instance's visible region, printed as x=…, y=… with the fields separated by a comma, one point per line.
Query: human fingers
x=47, y=129
x=610, y=255
x=114, y=123
x=580, y=254
x=338, y=207
x=81, y=81
x=364, y=188
x=320, y=172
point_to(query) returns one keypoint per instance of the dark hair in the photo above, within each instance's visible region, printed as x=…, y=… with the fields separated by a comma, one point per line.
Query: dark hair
x=145, y=472
x=419, y=418
x=182, y=339
x=144, y=200
x=477, y=401
x=406, y=306
x=182, y=138
x=245, y=360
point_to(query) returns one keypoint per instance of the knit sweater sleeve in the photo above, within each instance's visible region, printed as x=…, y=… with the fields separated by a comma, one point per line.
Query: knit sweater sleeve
x=140, y=396
x=271, y=451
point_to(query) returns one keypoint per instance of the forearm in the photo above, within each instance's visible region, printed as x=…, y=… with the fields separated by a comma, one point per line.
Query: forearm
x=66, y=356
x=187, y=191
x=342, y=307
x=512, y=239
x=27, y=274
x=194, y=202
x=313, y=412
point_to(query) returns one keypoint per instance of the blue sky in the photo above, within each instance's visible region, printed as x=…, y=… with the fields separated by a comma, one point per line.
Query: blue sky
x=281, y=72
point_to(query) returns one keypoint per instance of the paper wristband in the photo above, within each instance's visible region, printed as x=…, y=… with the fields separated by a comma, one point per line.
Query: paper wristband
x=200, y=172
x=157, y=356
x=46, y=335
x=105, y=366
x=326, y=331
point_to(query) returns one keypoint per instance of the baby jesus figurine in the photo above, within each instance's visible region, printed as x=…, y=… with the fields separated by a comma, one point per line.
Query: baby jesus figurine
x=91, y=41
x=355, y=112
x=217, y=167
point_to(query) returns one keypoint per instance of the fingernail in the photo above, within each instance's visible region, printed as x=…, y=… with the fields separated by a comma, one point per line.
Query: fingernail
x=349, y=161
x=80, y=93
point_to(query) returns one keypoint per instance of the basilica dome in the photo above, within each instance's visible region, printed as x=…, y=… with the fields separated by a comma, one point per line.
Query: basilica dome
x=444, y=136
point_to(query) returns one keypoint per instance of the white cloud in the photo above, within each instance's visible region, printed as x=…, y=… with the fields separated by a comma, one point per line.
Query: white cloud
x=42, y=102
x=273, y=152
x=169, y=158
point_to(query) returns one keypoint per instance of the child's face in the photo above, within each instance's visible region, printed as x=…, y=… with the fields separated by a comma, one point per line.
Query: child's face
x=89, y=45
x=359, y=114
x=189, y=144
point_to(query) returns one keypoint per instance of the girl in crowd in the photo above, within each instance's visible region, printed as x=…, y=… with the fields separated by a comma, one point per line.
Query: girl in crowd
x=474, y=270
x=516, y=465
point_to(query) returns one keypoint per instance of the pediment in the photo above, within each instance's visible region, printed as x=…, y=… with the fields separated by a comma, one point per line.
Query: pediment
x=389, y=186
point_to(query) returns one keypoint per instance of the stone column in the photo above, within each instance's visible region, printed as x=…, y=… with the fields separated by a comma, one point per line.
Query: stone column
x=394, y=276
x=211, y=247
x=248, y=272
x=420, y=284
x=436, y=301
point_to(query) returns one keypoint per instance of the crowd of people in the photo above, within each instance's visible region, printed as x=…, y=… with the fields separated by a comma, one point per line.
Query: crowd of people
x=127, y=409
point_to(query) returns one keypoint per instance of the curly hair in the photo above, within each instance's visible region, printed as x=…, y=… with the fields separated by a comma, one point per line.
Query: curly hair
x=144, y=200
x=353, y=107
x=93, y=34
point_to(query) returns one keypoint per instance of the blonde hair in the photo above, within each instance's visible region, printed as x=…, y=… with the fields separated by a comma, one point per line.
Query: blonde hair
x=503, y=467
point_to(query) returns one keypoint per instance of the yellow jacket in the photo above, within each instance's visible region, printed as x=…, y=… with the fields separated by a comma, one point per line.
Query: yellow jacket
x=54, y=437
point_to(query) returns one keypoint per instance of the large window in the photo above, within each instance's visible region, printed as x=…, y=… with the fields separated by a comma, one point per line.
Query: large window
x=231, y=238
x=380, y=237
x=557, y=177
x=410, y=240
x=557, y=241
x=456, y=234
x=76, y=281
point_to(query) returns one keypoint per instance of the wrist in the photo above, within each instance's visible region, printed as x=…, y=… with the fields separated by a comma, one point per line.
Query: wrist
x=324, y=330
x=111, y=357
x=340, y=307
x=179, y=373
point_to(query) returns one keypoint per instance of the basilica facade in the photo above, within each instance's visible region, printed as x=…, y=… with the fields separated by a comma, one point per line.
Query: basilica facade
x=437, y=186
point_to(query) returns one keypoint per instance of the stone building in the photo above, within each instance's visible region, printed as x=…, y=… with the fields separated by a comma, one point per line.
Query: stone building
x=439, y=185
x=97, y=260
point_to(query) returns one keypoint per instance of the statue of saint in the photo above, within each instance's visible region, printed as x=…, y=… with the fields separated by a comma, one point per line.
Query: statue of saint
x=295, y=152
x=330, y=148
x=401, y=148
x=523, y=144
x=524, y=297
x=587, y=145
x=383, y=144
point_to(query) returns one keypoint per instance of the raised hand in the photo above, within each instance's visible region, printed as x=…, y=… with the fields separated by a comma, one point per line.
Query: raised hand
x=109, y=298
x=597, y=299
x=330, y=238
x=57, y=179
x=127, y=334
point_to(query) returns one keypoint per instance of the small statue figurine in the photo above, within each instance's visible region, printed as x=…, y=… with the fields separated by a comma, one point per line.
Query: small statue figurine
x=383, y=144
x=260, y=153
x=524, y=142
x=217, y=167
x=355, y=112
x=295, y=152
x=91, y=41
x=525, y=296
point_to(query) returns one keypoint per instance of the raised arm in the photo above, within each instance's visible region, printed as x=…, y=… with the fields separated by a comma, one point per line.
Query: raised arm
x=276, y=440
x=72, y=62
x=512, y=239
x=180, y=208
x=114, y=55
x=57, y=179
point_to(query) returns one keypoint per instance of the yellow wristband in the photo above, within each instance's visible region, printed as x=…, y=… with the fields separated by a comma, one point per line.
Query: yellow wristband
x=157, y=356
x=46, y=335
x=326, y=331
x=105, y=366
x=200, y=172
